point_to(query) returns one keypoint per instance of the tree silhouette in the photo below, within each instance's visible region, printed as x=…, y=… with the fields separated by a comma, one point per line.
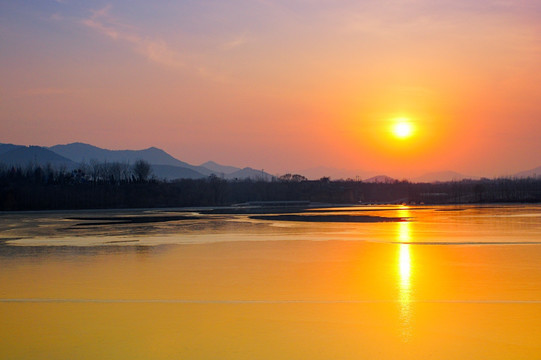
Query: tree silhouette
x=142, y=170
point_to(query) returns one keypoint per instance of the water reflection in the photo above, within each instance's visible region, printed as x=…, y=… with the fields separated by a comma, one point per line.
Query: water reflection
x=405, y=268
x=404, y=273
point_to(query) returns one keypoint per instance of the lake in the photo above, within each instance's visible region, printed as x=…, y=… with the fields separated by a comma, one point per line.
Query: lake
x=380, y=282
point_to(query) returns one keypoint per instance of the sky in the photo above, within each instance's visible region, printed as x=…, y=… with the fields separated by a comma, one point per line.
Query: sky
x=280, y=85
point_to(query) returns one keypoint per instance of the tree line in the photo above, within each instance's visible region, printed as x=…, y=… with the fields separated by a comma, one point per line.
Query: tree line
x=120, y=185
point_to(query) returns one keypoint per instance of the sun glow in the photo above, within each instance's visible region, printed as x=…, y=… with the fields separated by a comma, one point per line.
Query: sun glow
x=402, y=128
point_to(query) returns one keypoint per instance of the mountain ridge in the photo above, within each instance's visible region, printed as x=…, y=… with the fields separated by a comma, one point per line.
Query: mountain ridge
x=220, y=169
x=165, y=166
x=81, y=152
x=249, y=173
x=27, y=155
x=169, y=168
x=315, y=173
x=535, y=173
x=443, y=176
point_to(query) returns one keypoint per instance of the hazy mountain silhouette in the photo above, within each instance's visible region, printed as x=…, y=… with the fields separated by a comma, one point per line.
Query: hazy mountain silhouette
x=380, y=179
x=220, y=169
x=318, y=172
x=80, y=152
x=167, y=167
x=536, y=172
x=442, y=176
x=4, y=148
x=169, y=172
x=249, y=173
x=26, y=155
x=164, y=165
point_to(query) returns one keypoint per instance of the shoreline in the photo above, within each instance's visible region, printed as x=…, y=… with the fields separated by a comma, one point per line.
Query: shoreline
x=234, y=209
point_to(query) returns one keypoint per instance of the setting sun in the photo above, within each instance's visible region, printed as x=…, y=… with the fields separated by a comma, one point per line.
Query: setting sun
x=402, y=128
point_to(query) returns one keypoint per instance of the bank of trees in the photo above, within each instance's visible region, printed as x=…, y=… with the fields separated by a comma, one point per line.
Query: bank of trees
x=93, y=172
x=118, y=185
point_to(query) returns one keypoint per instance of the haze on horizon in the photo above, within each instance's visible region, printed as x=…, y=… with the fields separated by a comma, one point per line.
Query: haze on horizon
x=280, y=85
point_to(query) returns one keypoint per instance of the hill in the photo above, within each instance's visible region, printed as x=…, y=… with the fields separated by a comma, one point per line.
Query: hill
x=164, y=166
x=80, y=152
x=37, y=155
x=533, y=173
x=249, y=173
x=442, y=176
x=168, y=172
x=4, y=148
x=219, y=169
x=380, y=179
x=317, y=173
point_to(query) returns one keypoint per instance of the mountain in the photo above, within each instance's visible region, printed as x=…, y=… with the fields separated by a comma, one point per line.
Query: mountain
x=169, y=172
x=219, y=169
x=26, y=155
x=535, y=173
x=442, y=176
x=249, y=173
x=80, y=152
x=164, y=165
x=380, y=179
x=8, y=147
x=317, y=173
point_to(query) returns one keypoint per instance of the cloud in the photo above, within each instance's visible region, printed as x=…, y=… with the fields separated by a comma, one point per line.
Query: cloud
x=235, y=43
x=56, y=17
x=155, y=50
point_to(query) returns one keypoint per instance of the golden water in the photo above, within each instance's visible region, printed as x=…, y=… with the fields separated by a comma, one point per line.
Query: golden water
x=460, y=283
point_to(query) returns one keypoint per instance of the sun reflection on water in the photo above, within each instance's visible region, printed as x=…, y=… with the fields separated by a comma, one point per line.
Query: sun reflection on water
x=404, y=273
x=404, y=263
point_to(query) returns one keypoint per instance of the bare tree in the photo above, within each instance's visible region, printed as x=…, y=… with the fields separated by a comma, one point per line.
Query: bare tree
x=142, y=170
x=125, y=171
x=95, y=170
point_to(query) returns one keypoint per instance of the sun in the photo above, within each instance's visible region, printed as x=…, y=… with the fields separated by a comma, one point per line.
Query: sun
x=402, y=128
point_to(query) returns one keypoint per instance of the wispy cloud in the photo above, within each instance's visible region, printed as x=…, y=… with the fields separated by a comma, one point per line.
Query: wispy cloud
x=56, y=17
x=156, y=50
x=236, y=42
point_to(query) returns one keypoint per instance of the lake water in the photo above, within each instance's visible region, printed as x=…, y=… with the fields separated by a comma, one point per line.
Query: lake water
x=447, y=282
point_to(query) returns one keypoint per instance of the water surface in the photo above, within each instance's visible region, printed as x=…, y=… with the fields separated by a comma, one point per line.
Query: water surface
x=439, y=282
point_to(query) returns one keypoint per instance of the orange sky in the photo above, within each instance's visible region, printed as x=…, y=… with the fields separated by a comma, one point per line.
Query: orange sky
x=280, y=85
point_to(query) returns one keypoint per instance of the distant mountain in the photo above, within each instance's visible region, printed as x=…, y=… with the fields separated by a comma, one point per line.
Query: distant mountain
x=317, y=173
x=80, y=152
x=380, y=179
x=26, y=155
x=164, y=166
x=8, y=147
x=534, y=173
x=219, y=169
x=249, y=173
x=442, y=176
x=169, y=172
